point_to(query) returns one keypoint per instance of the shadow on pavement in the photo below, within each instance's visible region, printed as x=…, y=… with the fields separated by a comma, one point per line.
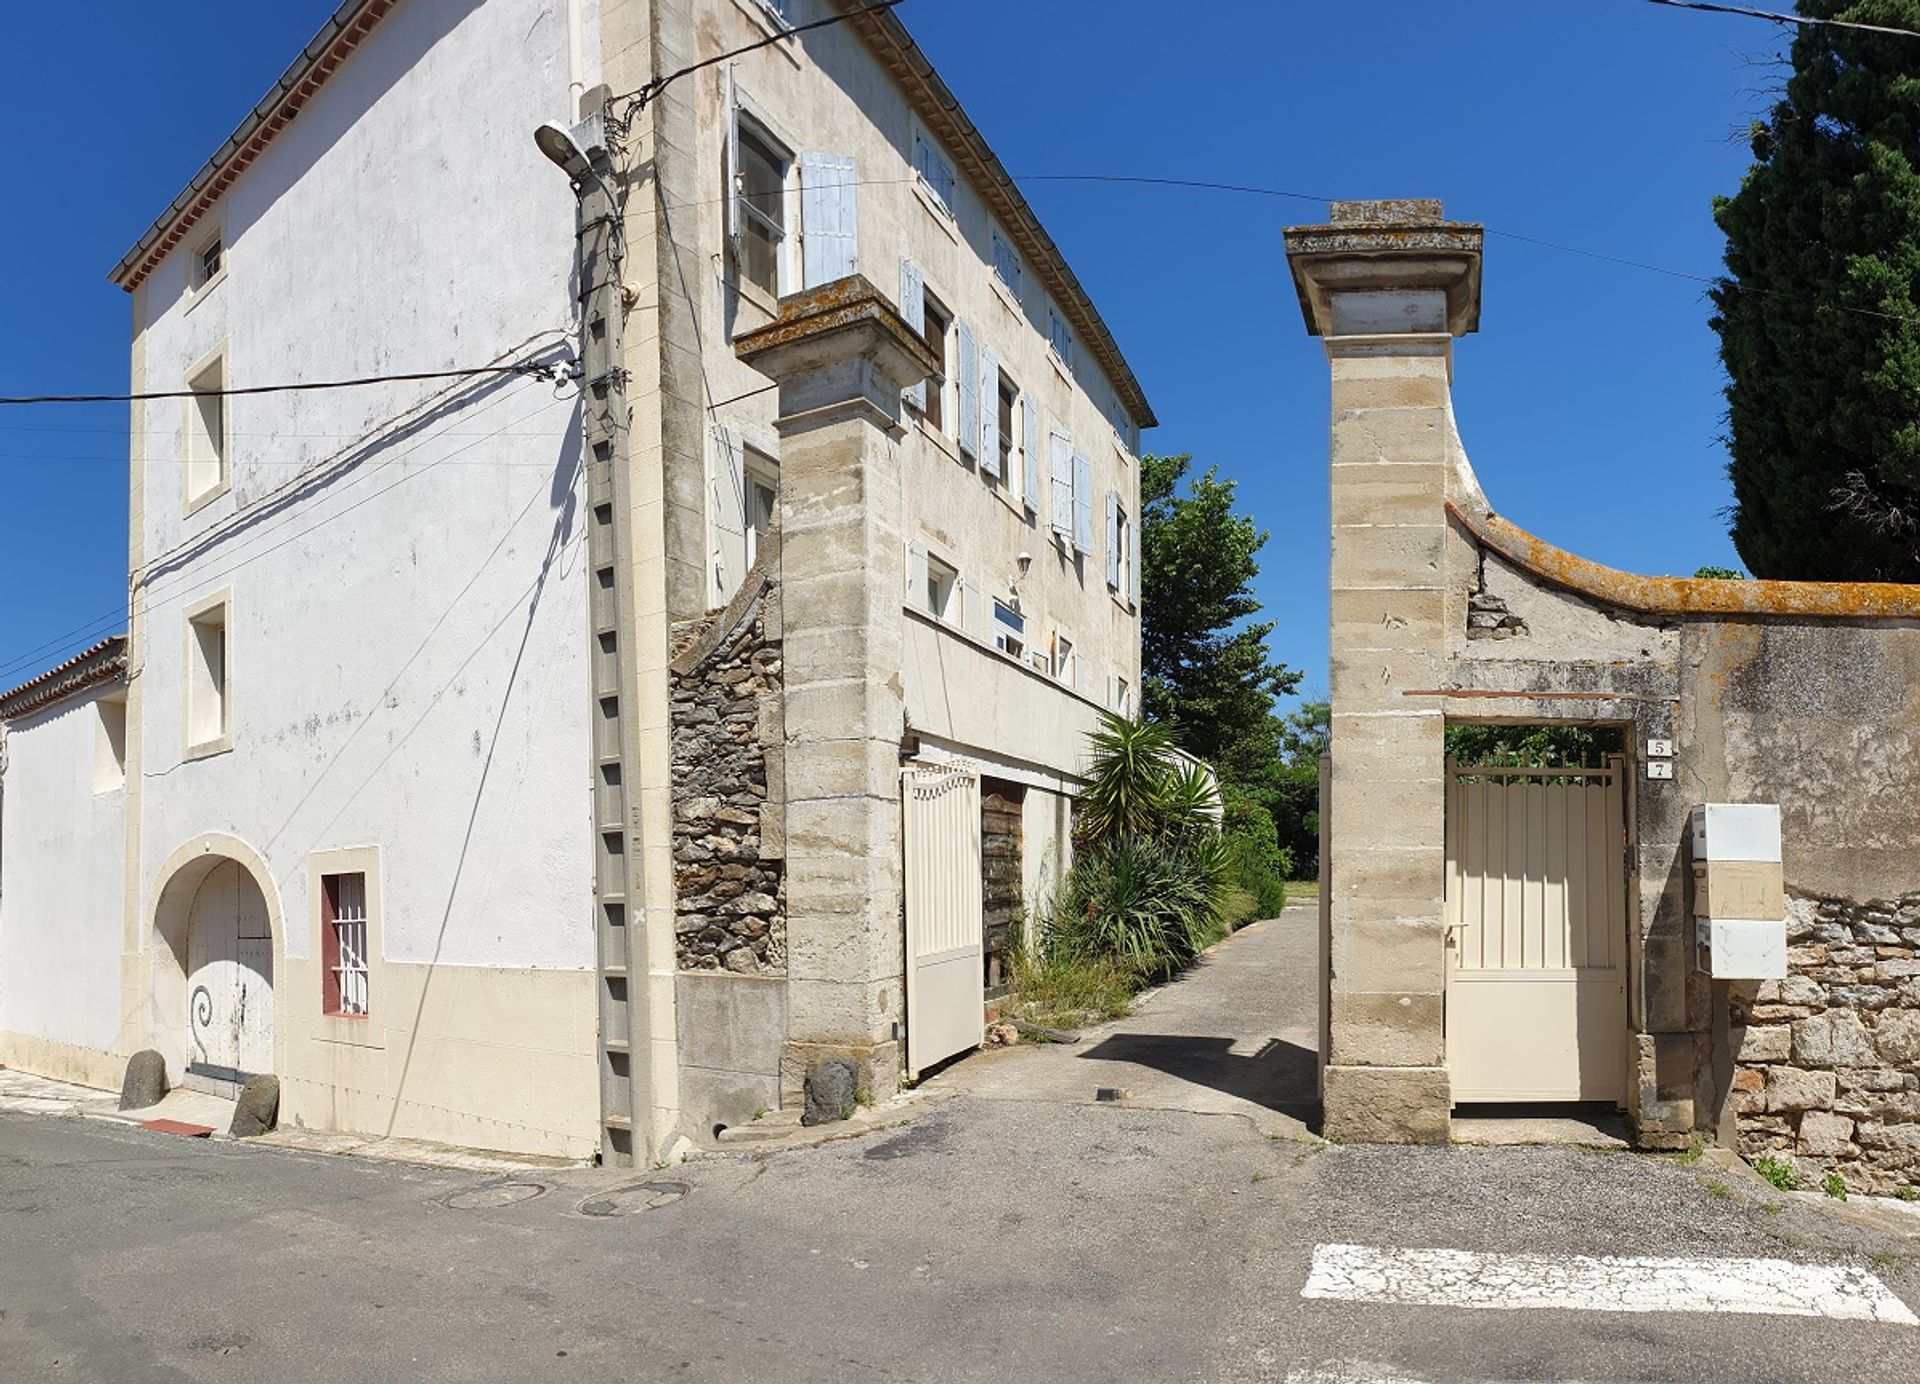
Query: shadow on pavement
x=1281, y=1076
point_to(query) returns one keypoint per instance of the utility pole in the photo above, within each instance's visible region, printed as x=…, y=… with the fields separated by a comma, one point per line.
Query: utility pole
x=584, y=153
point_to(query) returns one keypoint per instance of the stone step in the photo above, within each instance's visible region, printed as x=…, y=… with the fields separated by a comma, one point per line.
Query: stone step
x=775, y=1124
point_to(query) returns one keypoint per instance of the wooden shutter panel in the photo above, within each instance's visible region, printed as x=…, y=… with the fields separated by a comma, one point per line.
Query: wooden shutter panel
x=913, y=310
x=726, y=513
x=916, y=576
x=829, y=221
x=989, y=412
x=1062, y=458
x=1113, y=540
x=1082, y=504
x=730, y=105
x=1030, y=452
x=969, y=377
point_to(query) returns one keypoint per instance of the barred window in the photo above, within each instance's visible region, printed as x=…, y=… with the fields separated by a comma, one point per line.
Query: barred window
x=344, y=940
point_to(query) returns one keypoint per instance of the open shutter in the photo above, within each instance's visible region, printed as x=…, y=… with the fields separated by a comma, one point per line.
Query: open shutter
x=829, y=224
x=1136, y=558
x=726, y=514
x=1113, y=540
x=730, y=106
x=989, y=412
x=1082, y=504
x=969, y=374
x=916, y=576
x=1030, y=452
x=913, y=310
x=1061, y=447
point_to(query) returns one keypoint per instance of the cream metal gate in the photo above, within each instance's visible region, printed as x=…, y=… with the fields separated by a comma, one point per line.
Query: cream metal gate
x=946, y=988
x=1536, y=933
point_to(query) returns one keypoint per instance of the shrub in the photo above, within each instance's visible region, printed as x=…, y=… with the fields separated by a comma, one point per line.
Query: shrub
x=1780, y=1171
x=1147, y=907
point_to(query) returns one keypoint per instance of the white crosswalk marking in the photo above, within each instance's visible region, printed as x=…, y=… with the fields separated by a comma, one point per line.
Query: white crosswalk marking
x=1581, y=1283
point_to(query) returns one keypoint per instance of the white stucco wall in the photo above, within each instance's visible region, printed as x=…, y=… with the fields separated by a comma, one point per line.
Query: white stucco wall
x=407, y=618
x=60, y=881
x=828, y=94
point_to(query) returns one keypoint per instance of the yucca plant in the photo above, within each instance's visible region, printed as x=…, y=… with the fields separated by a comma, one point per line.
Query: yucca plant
x=1128, y=782
x=1145, y=905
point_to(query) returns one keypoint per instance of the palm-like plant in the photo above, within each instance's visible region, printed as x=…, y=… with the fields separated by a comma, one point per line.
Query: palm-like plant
x=1126, y=794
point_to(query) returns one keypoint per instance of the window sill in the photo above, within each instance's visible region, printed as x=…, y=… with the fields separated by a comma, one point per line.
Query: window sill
x=1008, y=298
x=770, y=24
x=941, y=212
x=755, y=297
x=197, y=296
x=196, y=503
x=946, y=446
x=207, y=749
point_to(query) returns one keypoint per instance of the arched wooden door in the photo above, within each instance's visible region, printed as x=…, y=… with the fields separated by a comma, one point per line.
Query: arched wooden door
x=229, y=983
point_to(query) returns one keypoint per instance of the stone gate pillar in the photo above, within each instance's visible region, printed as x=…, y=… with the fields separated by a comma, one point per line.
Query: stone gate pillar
x=841, y=355
x=1387, y=286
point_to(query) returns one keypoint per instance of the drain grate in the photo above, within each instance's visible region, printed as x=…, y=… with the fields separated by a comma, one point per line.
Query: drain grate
x=493, y=1194
x=635, y=1198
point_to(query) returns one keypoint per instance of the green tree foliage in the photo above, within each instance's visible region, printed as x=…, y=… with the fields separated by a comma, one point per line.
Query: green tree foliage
x=1819, y=312
x=1205, y=669
x=1720, y=573
x=1531, y=745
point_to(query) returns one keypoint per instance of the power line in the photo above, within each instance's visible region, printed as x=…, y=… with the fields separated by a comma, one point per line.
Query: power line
x=551, y=370
x=641, y=95
x=1804, y=21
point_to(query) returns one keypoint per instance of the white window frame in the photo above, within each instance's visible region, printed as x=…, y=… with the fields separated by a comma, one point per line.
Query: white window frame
x=1009, y=630
x=1066, y=656
x=941, y=595
x=365, y=862
x=199, y=281
x=946, y=384
x=758, y=471
x=199, y=681
x=747, y=125
x=206, y=470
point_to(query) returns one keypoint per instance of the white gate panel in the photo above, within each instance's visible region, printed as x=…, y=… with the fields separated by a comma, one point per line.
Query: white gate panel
x=946, y=986
x=229, y=983
x=1536, y=933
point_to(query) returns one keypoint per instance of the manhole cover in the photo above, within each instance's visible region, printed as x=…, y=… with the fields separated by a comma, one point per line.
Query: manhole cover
x=494, y=1194
x=631, y=1200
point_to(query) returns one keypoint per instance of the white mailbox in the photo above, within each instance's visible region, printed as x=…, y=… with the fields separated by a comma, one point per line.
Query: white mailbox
x=1739, y=893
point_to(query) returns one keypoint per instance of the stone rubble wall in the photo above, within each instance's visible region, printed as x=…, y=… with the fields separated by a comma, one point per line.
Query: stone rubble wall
x=1829, y=1058
x=729, y=877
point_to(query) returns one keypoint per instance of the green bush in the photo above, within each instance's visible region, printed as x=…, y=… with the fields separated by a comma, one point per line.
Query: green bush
x=1258, y=864
x=1147, y=907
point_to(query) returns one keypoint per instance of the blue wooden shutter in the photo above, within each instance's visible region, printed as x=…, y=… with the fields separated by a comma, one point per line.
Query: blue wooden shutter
x=1030, y=452
x=1113, y=540
x=730, y=106
x=989, y=412
x=1082, y=504
x=913, y=310
x=969, y=377
x=1062, y=458
x=829, y=221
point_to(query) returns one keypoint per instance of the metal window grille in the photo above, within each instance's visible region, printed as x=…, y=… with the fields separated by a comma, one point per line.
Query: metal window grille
x=350, y=939
x=210, y=262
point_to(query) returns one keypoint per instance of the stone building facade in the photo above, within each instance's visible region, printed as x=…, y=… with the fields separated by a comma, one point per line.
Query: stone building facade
x=583, y=856
x=1444, y=613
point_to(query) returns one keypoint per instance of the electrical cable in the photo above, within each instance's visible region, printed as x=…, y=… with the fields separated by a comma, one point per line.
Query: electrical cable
x=1804, y=21
x=549, y=370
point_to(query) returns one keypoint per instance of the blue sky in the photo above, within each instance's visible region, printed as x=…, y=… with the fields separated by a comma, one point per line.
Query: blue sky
x=1589, y=402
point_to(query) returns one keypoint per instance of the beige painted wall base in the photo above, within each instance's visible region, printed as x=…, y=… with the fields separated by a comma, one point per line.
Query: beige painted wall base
x=1388, y=1105
x=64, y=1061
x=876, y=1068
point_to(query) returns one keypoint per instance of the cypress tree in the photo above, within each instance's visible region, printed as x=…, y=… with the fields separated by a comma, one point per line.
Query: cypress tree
x=1819, y=312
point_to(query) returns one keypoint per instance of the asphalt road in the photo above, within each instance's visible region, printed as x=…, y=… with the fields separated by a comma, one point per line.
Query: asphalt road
x=998, y=1237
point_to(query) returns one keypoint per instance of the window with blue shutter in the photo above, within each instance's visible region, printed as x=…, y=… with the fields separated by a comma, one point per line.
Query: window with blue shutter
x=990, y=413
x=1006, y=262
x=1113, y=540
x=1030, y=453
x=913, y=311
x=1061, y=447
x=1082, y=504
x=968, y=376
x=1060, y=336
x=936, y=173
x=829, y=226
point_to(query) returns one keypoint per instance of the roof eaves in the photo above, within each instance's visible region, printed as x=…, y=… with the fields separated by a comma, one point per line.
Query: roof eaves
x=937, y=105
x=338, y=37
x=103, y=662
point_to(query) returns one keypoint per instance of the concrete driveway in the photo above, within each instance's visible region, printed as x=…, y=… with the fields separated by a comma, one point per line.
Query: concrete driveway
x=1013, y=1232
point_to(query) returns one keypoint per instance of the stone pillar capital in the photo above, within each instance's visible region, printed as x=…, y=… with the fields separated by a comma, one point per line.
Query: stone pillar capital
x=1387, y=268
x=836, y=349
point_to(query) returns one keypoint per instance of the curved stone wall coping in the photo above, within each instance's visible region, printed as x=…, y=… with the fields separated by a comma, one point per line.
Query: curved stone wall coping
x=1688, y=595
